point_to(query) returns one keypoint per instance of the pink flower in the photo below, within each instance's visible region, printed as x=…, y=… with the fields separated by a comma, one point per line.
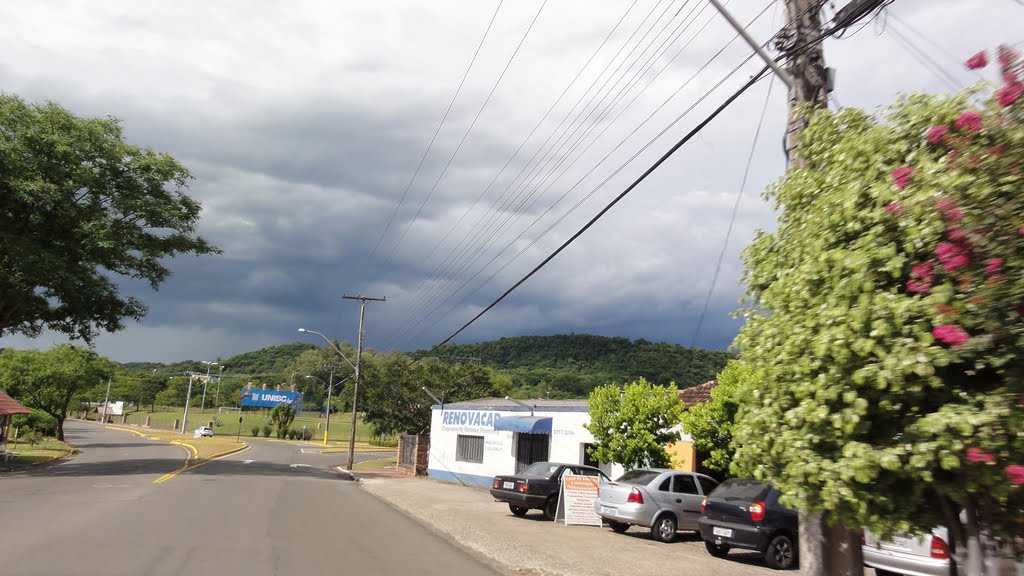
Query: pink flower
x=918, y=286
x=936, y=133
x=950, y=334
x=957, y=234
x=894, y=208
x=1016, y=474
x=948, y=209
x=969, y=121
x=993, y=265
x=1021, y=231
x=977, y=455
x=951, y=256
x=979, y=60
x=1008, y=94
x=924, y=270
x=902, y=175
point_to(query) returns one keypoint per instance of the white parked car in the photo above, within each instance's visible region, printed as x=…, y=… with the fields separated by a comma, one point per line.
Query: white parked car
x=203, y=431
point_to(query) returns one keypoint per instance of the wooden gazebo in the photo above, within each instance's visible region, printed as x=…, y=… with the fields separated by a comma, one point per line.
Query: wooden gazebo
x=8, y=407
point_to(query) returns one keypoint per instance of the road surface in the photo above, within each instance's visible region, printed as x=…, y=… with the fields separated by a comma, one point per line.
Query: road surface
x=271, y=509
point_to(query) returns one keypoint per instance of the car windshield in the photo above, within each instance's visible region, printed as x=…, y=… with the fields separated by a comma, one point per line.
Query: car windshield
x=545, y=469
x=639, y=477
x=741, y=489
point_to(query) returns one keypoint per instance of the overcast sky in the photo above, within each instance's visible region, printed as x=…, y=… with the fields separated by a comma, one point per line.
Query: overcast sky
x=303, y=123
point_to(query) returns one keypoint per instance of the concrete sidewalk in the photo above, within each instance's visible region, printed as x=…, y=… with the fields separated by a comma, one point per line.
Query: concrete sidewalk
x=530, y=545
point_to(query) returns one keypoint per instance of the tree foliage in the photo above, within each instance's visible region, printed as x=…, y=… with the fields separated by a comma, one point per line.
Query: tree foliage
x=50, y=380
x=281, y=417
x=885, y=319
x=710, y=423
x=81, y=206
x=633, y=424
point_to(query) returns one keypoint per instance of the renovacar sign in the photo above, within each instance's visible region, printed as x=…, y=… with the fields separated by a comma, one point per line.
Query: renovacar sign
x=269, y=398
x=468, y=421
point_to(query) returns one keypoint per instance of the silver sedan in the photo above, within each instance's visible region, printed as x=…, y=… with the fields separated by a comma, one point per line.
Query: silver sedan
x=663, y=500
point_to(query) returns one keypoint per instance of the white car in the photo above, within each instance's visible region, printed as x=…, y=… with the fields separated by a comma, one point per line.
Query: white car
x=203, y=431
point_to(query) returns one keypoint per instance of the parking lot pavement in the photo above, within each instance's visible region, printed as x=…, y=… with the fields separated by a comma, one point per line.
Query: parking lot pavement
x=530, y=545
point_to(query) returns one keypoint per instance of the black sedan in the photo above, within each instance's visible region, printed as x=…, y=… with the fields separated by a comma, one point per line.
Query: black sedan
x=537, y=486
x=745, y=513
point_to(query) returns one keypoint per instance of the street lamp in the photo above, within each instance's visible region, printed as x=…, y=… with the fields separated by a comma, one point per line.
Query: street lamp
x=330, y=387
x=188, y=399
x=355, y=395
x=202, y=407
x=219, y=376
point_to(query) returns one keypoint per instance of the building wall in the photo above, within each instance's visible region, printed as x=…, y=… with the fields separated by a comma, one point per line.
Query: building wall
x=566, y=444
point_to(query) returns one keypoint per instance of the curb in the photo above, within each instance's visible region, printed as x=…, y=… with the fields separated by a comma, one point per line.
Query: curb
x=351, y=477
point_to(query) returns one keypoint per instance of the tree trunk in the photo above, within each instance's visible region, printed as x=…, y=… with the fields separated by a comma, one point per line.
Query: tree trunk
x=828, y=550
x=974, y=564
x=814, y=545
x=847, y=554
x=60, y=428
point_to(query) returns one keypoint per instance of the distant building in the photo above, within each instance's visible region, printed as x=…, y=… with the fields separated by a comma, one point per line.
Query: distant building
x=8, y=408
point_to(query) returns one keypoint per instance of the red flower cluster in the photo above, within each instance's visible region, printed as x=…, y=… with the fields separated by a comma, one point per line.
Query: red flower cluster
x=951, y=334
x=894, y=208
x=1016, y=474
x=935, y=134
x=952, y=256
x=969, y=121
x=922, y=277
x=1008, y=94
x=949, y=210
x=1008, y=58
x=977, y=61
x=977, y=455
x=993, y=265
x=901, y=176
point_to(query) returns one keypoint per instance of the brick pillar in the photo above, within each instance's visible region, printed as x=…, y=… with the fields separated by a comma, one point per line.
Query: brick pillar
x=422, y=454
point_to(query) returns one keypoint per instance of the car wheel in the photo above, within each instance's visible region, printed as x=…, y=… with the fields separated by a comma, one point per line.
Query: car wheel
x=780, y=555
x=551, y=508
x=518, y=510
x=618, y=527
x=716, y=550
x=664, y=528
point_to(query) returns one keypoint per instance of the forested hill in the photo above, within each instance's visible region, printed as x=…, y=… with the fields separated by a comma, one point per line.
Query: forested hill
x=270, y=360
x=614, y=359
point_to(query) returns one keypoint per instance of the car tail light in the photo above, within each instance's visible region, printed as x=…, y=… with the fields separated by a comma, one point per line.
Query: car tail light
x=703, y=503
x=757, y=511
x=940, y=550
x=523, y=487
x=496, y=483
x=635, y=496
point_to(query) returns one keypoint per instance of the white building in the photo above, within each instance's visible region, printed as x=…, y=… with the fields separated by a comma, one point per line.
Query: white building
x=473, y=441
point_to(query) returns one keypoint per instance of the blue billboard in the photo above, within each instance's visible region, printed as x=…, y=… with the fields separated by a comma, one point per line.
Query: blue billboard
x=270, y=398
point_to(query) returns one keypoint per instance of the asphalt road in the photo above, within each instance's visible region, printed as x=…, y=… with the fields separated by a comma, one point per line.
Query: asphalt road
x=271, y=509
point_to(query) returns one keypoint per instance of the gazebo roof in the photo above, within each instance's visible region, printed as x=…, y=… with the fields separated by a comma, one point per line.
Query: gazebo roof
x=9, y=405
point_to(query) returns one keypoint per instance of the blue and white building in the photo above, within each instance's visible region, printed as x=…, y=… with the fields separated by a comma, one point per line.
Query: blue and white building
x=475, y=440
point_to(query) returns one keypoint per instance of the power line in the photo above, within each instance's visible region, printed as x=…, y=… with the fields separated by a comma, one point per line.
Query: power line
x=439, y=125
x=924, y=59
x=616, y=200
x=735, y=211
x=600, y=162
x=471, y=125
x=931, y=42
x=456, y=267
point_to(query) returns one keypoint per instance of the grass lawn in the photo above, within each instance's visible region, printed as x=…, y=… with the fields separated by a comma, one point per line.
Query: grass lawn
x=377, y=464
x=28, y=454
x=225, y=424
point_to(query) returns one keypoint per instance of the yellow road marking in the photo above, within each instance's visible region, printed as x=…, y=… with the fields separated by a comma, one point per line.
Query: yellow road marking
x=127, y=430
x=191, y=464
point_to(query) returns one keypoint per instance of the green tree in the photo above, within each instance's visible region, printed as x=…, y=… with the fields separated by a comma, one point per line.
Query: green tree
x=710, y=423
x=281, y=417
x=50, y=380
x=885, y=321
x=633, y=424
x=80, y=207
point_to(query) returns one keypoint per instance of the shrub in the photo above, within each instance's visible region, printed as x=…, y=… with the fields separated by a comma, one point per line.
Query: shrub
x=35, y=421
x=307, y=433
x=384, y=440
x=34, y=437
x=267, y=430
x=256, y=430
x=291, y=434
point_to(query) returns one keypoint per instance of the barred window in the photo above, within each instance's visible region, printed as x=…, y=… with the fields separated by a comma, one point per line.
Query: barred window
x=469, y=449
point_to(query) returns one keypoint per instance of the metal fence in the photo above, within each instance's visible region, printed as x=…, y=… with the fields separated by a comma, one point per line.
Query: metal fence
x=407, y=450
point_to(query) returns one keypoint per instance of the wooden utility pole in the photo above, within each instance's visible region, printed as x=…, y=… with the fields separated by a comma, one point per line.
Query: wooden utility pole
x=355, y=389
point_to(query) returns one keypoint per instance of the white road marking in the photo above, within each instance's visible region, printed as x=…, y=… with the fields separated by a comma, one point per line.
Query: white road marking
x=248, y=461
x=299, y=465
x=310, y=451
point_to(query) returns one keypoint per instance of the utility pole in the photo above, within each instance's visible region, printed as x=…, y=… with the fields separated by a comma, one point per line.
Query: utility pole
x=825, y=550
x=355, y=389
x=106, y=402
x=188, y=398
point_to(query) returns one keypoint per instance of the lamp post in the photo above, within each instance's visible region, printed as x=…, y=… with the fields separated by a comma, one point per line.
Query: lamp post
x=355, y=392
x=188, y=398
x=330, y=387
x=202, y=406
x=219, y=376
x=523, y=404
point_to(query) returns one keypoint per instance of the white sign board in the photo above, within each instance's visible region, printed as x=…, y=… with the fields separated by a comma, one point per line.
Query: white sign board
x=577, y=500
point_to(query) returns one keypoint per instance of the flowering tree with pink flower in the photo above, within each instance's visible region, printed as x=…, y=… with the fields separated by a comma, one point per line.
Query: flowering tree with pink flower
x=885, y=319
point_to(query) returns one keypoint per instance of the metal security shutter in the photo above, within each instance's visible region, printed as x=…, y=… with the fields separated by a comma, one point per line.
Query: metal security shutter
x=469, y=449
